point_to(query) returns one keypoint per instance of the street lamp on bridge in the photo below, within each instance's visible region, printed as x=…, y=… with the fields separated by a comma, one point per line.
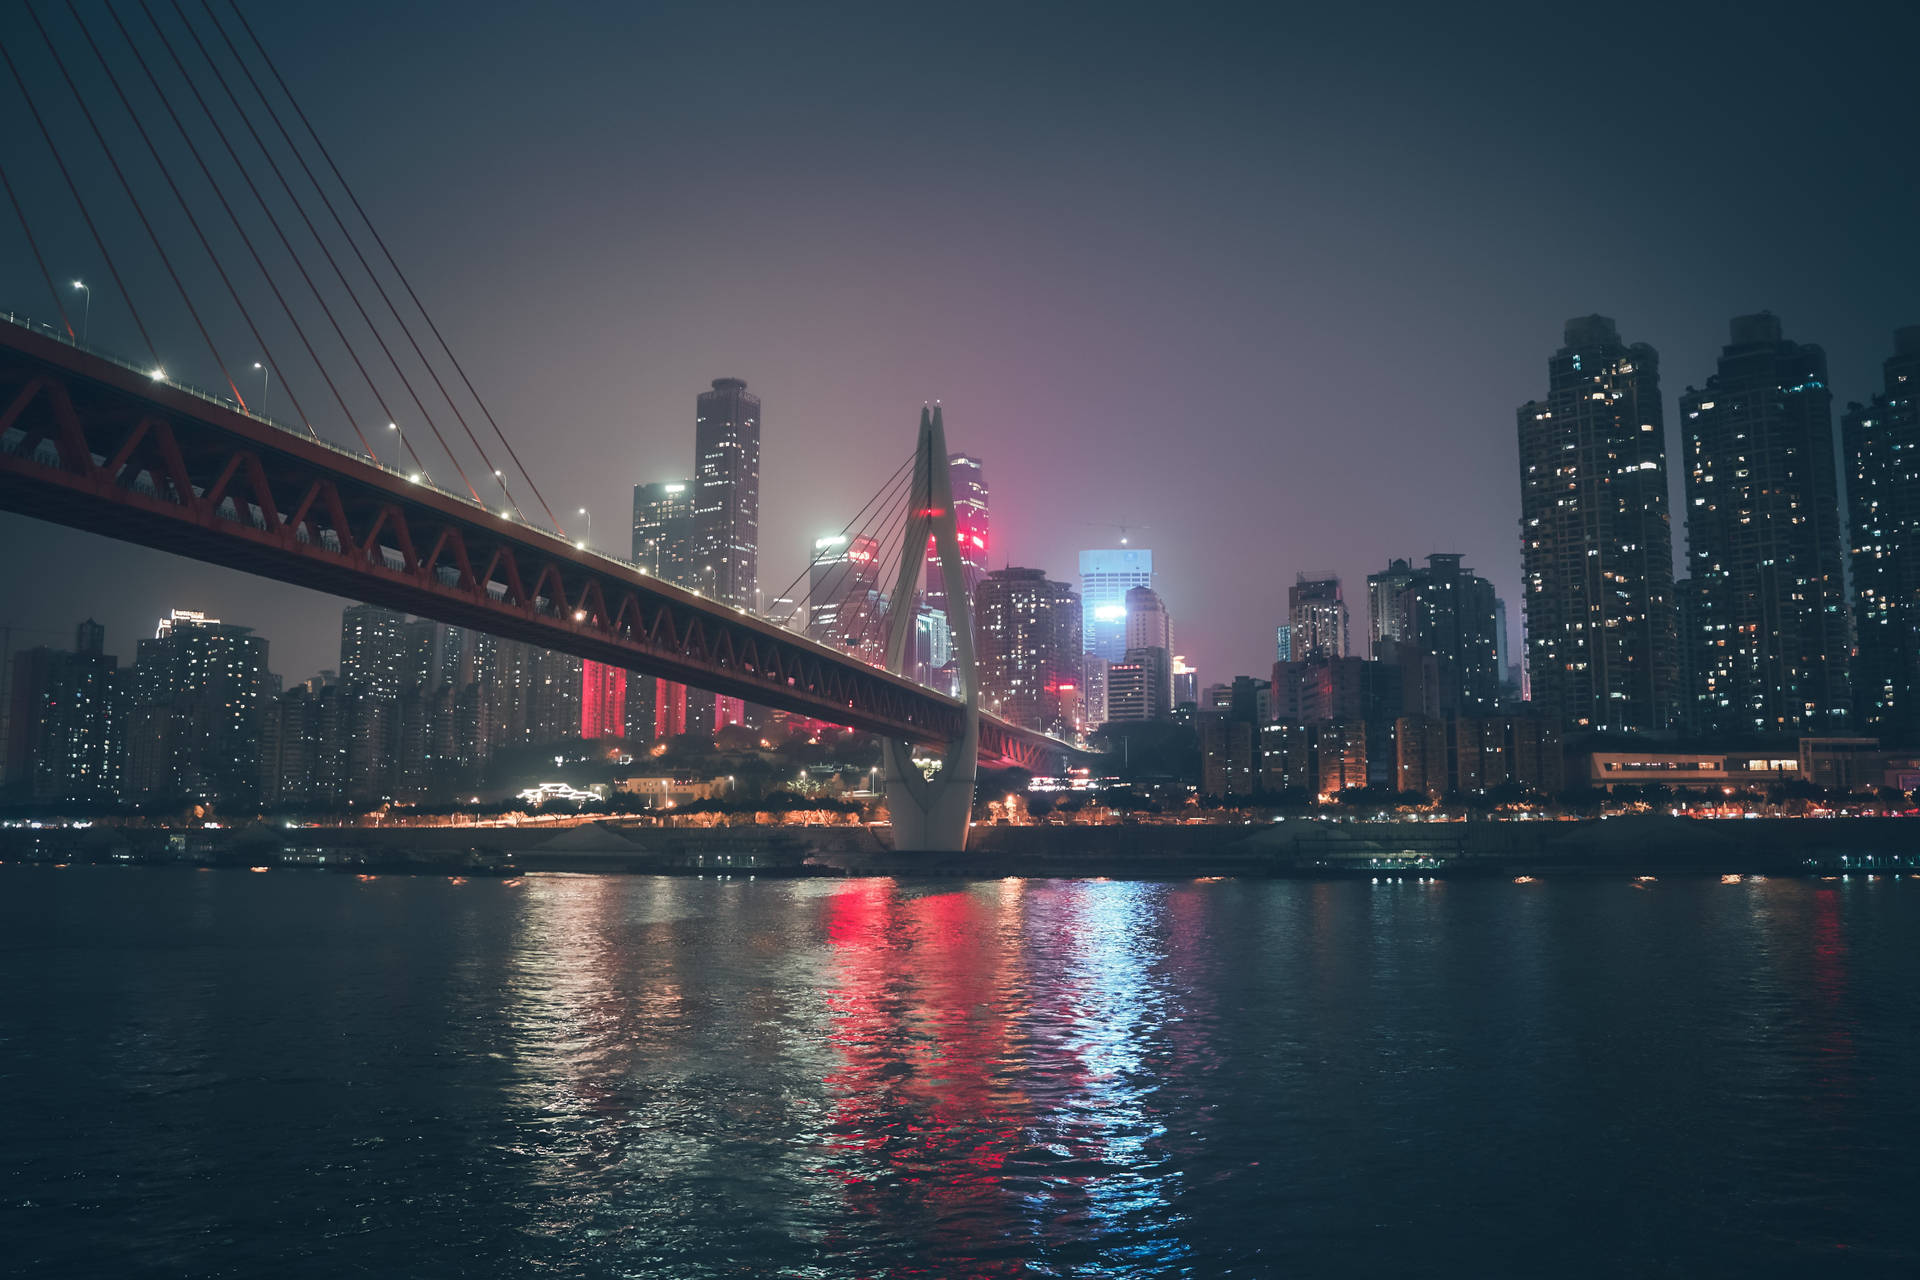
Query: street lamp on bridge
x=589, y=538
x=86, y=312
x=266, y=378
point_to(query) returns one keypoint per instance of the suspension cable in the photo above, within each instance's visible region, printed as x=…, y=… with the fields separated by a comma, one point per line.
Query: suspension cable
x=134, y=200
x=889, y=502
x=85, y=215
x=424, y=414
x=886, y=486
x=214, y=185
x=267, y=60
x=33, y=244
x=352, y=294
x=167, y=174
x=339, y=332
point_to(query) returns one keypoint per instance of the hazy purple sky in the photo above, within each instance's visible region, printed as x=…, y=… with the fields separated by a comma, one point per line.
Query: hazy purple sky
x=1270, y=280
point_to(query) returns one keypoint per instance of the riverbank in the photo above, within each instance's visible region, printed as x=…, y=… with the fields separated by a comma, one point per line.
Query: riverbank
x=1633, y=845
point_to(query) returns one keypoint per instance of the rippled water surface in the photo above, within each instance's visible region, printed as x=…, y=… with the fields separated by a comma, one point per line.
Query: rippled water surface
x=301, y=1074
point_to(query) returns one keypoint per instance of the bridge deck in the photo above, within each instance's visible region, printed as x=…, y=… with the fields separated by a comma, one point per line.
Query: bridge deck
x=90, y=442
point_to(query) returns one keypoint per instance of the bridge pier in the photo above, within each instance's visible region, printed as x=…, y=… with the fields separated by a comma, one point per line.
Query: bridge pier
x=932, y=813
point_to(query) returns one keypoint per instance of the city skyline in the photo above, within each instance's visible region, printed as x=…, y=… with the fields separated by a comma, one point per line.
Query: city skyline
x=845, y=353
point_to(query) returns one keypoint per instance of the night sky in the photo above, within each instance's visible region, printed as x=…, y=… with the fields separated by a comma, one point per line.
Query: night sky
x=1268, y=280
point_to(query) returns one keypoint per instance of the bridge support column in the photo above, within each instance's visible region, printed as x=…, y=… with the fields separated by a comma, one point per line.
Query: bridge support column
x=932, y=813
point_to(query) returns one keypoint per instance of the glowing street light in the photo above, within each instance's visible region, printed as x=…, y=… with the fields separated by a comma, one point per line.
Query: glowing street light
x=86, y=313
x=266, y=378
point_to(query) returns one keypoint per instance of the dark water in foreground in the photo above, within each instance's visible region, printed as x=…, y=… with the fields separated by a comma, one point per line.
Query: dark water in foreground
x=300, y=1074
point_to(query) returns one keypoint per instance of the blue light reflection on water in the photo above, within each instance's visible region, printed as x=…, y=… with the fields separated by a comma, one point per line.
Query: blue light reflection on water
x=218, y=1073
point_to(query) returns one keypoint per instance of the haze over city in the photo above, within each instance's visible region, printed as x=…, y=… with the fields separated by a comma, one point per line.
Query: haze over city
x=1269, y=284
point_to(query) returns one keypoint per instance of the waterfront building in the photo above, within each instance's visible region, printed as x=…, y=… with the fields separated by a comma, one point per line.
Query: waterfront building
x=1105, y=578
x=726, y=495
x=1316, y=618
x=1028, y=630
x=1596, y=544
x=1228, y=750
x=1764, y=539
x=663, y=530
x=65, y=722
x=1881, y=446
x=195, y=698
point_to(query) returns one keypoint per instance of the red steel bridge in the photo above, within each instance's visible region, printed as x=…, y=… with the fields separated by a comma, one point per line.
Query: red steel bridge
x=96, y=444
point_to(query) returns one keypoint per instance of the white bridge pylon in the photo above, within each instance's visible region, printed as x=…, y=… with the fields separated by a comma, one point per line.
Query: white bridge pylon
x=932, y=813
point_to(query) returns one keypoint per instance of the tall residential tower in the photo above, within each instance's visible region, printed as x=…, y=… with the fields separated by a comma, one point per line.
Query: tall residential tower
x=1881, y=441
x=1595, y=539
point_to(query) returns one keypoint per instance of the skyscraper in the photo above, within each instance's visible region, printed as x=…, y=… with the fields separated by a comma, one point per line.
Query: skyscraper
x=1316, y=617
x=1764, y=538
x=844, y=603
x=1029, y=635
x=726, y=496
x=663, y=530
x=1596, y=545
x=1105, y=579
x=972, y=519
x=1882, y=447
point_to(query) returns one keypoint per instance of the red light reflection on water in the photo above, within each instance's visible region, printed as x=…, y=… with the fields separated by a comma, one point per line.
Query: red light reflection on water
x=982, y=1107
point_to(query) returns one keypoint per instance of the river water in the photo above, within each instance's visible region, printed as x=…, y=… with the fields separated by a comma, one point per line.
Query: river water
x=294, y=1074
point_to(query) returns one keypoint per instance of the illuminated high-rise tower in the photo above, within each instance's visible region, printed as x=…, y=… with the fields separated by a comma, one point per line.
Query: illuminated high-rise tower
x=1105, y=578
x=726, y=493
x=1882, y=452
x=1764, y=539
x=1596, y=546
x=663, y=530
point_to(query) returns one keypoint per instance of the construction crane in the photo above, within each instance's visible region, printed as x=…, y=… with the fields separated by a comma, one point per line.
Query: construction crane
x=1117, y=527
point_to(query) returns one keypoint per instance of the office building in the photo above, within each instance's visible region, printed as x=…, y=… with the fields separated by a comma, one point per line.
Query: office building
x=726, y=493
x=845, y=607
x=1105, y=578
x=1316, y=618
x=1139, y=686
x=1881, y=445
x=1596, y=545
x=663, y=530
x=1283, y=643
x=1028, y=631
x=1764, y=538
